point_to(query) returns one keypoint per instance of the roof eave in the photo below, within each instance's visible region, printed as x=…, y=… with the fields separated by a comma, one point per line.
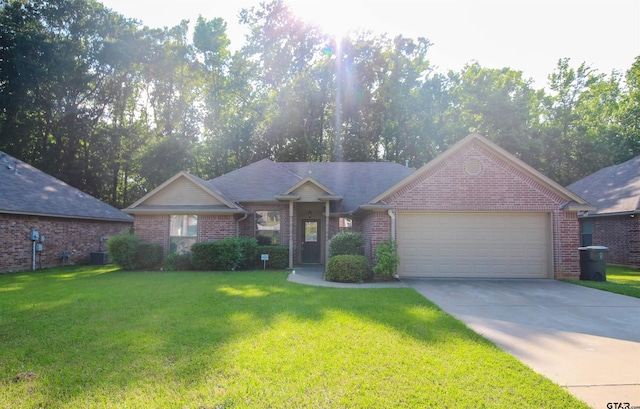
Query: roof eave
x=631, y=213
x=170, y=211
x=577, y=207
x=66, y=216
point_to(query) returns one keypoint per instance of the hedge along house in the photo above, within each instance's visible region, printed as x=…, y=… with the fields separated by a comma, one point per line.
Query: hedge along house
x=615, y=221
x=70, y=224
x=475, y=211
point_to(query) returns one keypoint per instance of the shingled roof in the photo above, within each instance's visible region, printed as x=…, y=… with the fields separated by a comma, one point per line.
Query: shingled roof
x=29, y=191
x=614, y=190
x=356, y=182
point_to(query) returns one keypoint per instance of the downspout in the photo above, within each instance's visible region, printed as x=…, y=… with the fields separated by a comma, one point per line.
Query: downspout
x=393, y=232
x=327, y=207
x=238, y=224
x=290, y=234
x=393, y=224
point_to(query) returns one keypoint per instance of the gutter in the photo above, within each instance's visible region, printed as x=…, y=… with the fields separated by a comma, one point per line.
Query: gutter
x=393, y=233
x=238, y=224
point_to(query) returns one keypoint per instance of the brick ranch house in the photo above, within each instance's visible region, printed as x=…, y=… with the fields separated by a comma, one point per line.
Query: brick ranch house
x=71, y=222
x=474, y=211
x=615, y=222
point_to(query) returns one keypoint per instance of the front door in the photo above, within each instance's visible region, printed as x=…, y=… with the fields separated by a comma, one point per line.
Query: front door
x=310, y=241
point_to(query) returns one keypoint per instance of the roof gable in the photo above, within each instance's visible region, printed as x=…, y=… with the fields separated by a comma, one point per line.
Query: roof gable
x=475, y=138
x=29, y=191
x=613, y=190
x=309, y=189
x=183, y=192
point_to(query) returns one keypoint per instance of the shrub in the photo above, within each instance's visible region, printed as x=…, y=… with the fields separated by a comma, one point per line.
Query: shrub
x=249, y=249
x=348, y=268
x=387, y=258
x=122, y=250
x=226, y=254
x=346, y=243
x=203, y=255
x=178, y=262
x=148, y=256
x=278, y=256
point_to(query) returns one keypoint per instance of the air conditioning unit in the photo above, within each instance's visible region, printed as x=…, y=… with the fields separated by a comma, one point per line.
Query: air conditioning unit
x=99, y=258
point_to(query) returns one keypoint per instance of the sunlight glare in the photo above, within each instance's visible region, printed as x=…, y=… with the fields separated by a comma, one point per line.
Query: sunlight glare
x=332, y=17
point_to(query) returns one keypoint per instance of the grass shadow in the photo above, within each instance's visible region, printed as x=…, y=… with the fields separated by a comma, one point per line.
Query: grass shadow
x=244, y=339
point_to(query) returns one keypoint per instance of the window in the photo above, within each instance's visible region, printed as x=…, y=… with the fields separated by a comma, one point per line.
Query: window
x=183, y=233
x=586, y=230
x=345, y=224
x=268, y=227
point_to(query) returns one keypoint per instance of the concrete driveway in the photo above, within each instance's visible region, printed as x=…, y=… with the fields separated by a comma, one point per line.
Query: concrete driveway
x=585, y=340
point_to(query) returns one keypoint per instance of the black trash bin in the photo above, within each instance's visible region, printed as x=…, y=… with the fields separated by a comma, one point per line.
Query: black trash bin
x=593, y=263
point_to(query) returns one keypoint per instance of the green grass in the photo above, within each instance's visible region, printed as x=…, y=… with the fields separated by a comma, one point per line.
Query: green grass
x=103, y=338
x=620, y=280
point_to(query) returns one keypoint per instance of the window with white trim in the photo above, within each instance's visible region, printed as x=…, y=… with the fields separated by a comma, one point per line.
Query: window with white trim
x=183, y=232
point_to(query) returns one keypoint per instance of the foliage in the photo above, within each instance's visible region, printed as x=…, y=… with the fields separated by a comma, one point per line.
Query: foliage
x=226, y=254
x=115, y=108
x=346, y=243
x=249, y=249
x=387, y=258
x=129, y=253
x=218, y=255
x=178, y=262
x=148, y=256
x=620, y=280
x=278, y=256
x=96, y=337
x=122, y=250
x=348, y=268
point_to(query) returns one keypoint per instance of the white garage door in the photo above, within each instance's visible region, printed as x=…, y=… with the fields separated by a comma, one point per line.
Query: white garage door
x=480, y=245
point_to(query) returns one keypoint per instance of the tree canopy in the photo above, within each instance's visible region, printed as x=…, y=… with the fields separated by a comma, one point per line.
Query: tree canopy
x=114, y=108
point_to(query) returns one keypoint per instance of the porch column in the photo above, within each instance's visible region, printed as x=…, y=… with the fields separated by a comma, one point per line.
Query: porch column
x=326, y=233
x=291, y=249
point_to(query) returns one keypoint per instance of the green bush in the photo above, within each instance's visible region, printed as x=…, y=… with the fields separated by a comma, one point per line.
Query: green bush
x=346, y=243
x=278, y=256
x=148, y=256
x=122, y=250
x=348, y=268
x=249, y=248
x=226, y=254
x=387, y=258
x=178, y=262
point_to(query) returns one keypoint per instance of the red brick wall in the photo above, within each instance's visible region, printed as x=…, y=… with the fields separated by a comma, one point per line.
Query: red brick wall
x=212, y=228
x=376, y=227
x=498, y=187
x=153, y=229
x=77, y=237
x=621, y=234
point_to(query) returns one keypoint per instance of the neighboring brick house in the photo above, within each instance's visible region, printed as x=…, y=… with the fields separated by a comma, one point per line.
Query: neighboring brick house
x=475, y=211
x=72, y=223
x=615, y=223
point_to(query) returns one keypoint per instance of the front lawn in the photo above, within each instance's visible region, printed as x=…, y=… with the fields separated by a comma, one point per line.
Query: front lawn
x=620, y=280
x=97, y=337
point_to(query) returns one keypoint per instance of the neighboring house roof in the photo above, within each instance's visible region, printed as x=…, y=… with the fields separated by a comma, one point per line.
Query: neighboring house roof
x=574, y=201
x=613, y=190
x=29, y=191
x=352, y=183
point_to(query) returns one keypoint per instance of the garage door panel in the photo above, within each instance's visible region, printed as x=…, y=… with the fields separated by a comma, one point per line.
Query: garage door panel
x=474, y=245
